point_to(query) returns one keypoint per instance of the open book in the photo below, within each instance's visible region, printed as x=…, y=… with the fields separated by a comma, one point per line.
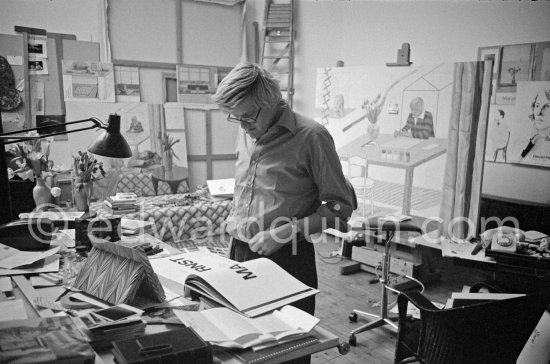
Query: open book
x=223, y=327
x=251, y=288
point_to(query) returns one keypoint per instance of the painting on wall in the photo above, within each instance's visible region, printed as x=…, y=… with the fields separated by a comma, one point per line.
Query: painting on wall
x=515, y=64
x=135, y=124
x=88, y=81
x=127, y=84
x=542, y=62
x=530, y=131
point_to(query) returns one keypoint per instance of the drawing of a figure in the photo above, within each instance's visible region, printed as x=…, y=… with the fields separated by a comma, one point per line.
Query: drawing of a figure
x=135, y=126
x=419, y=122
x=538, y=146
x=498, y=136
x=337, y=110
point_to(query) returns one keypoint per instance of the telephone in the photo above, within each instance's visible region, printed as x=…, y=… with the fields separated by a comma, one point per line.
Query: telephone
x=503, y=239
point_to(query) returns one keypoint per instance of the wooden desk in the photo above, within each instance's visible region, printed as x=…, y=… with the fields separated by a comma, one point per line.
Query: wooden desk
x=422, y=152
x=23, y=290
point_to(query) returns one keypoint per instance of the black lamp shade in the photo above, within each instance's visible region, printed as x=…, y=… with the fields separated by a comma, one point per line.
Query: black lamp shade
x=111, y=143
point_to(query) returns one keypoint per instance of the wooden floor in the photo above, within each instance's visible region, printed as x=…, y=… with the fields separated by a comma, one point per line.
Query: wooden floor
x=342, y=293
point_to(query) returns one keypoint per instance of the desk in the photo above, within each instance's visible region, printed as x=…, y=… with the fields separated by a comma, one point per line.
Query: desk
x=424, y=151
x=173, y=177
x=327, y=339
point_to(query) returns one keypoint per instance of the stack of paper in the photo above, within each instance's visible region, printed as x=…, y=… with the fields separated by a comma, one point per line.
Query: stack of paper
x=122, y=203
x=225, y=328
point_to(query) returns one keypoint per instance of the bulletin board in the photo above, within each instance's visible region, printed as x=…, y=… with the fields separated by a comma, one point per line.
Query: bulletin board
x=45, y=88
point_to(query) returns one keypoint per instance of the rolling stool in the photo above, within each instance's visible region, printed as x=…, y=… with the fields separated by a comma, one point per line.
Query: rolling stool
x=390, y=227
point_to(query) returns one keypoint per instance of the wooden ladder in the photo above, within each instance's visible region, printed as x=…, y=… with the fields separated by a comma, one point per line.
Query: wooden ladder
x=278, y=46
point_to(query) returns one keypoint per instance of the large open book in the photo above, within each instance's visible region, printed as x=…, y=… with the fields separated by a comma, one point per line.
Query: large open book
x=251, y=288
x=225, y=328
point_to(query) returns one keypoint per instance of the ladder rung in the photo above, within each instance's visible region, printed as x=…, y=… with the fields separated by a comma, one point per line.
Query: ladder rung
x=282, y=25
x=277, y=41
x=276, y=57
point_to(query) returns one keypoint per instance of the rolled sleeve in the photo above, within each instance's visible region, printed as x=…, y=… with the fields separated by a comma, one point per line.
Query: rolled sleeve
x=327, y=173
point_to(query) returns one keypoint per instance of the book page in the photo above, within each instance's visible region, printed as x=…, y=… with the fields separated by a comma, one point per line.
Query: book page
x=252, y=288
x=257, y=284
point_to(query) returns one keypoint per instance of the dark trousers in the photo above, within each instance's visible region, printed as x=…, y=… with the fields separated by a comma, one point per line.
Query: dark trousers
x=300, y=265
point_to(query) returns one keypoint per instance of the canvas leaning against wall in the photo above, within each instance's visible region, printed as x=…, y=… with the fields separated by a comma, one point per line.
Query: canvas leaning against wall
x=395, y=122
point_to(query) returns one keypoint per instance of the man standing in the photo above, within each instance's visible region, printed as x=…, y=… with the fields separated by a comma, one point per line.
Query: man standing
x=289, y=181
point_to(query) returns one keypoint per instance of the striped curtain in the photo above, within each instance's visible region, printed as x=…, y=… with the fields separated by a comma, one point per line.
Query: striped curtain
x=459, y=212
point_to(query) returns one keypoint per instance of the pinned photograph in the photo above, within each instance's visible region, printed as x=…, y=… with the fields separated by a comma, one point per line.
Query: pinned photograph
x=38, y=66
x=37, y=48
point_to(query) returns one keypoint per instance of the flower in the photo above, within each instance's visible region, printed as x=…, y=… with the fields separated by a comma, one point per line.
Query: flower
x=30, y=161
x=373, y=108
x=168, y=143
x=55, y=191
x=87, y=168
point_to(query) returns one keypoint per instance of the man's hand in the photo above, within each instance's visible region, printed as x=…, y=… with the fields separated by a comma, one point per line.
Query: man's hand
x=401, y=133
x=268, y=242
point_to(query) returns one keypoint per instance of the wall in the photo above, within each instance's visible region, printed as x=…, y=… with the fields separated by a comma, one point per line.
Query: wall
x=140, y=30
x=363, y=33
x=357, y=32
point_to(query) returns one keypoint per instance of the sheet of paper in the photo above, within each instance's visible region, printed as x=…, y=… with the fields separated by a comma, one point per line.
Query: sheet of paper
x=5, y=284
x=56, y=215
x=11, y=258
x=430, y=146
x=51, y=264
x=12, y=310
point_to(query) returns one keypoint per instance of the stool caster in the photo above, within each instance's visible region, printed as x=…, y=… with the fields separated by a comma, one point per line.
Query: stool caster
x=352, y=317
x=352, y=340
x=343, y=348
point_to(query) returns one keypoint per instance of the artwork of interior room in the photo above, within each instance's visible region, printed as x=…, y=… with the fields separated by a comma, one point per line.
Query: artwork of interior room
x=438, y=111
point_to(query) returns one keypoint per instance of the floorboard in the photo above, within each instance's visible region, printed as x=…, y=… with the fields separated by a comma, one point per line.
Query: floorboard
x=340, y=294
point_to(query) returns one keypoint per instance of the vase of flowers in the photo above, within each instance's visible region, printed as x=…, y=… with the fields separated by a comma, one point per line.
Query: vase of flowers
x=31, y=162
x=373, y=109
x=168, y=155
x=86, y=169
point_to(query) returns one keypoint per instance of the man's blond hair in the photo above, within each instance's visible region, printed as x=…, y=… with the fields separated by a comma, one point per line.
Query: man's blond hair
x=248, y=81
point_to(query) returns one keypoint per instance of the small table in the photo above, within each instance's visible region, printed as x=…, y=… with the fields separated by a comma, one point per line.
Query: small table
x=173, y=177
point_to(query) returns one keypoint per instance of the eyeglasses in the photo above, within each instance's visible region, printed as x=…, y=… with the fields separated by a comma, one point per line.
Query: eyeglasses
x=249, y=120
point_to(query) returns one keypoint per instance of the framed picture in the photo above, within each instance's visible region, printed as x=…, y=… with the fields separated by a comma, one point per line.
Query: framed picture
x=495, y=51
x=515, y=65
x=53, y=124
x=542, y=62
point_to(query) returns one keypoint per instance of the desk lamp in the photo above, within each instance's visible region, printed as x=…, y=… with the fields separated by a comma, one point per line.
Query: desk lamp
x=110, y=143
x=390, y=227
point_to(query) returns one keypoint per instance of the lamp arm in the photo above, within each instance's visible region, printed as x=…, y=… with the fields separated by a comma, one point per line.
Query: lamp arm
x=16, y=139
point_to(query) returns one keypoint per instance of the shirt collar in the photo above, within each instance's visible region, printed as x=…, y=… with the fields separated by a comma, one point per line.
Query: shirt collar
x=421, y=116
x=286, y=118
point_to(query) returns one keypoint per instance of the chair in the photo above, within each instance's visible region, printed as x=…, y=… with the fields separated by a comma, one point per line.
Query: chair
x=389, y=227
x=487, y=332
x=356, y=170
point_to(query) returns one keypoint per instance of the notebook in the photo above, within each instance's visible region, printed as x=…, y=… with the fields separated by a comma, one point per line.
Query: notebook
x=221, y=187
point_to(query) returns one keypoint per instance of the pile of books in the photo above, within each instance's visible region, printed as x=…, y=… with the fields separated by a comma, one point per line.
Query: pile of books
x=121, y=203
